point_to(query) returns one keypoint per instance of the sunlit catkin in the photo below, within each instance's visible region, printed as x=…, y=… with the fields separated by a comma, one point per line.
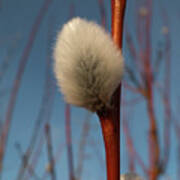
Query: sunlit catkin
x=130, y=176
x=88, y=65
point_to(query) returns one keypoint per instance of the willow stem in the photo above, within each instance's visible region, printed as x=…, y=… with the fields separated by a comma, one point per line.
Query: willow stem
x=110, y=120
x=110, y=130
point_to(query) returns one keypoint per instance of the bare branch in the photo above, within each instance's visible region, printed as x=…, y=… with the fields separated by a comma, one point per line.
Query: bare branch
x=51, y=167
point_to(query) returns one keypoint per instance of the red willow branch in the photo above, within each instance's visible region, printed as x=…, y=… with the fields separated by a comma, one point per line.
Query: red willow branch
x=154, y=149
x=36, y=155
x=135, y=90
x=118, y=11
x=56, y=159
x=110, y=120
x=69, y=142
x=83, y=142
x=110, y=130
x=50, y=152
x=130, y=147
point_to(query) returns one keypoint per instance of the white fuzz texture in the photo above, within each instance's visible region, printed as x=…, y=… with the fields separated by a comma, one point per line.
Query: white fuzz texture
x=130, y=176
x=88, y=65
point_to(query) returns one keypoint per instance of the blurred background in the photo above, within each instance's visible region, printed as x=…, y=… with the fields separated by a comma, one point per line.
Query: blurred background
x=41, y=137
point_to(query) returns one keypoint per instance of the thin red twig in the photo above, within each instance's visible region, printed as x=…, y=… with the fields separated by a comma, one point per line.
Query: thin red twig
x=154, y=149
x=56, y=158
x=69, y=142
x=133, y=153
x=82, y=145
x=139, y=90
x=51, y=169
x=36, y=155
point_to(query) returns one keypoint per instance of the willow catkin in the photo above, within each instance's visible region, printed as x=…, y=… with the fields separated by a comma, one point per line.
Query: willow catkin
x=130, y=176
x=87, y=64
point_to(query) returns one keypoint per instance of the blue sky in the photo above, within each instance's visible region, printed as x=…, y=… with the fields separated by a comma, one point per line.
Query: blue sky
x=17, y=18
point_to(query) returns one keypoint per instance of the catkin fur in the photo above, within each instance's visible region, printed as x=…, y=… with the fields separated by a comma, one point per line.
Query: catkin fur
x=130, y=176
x=87, y=64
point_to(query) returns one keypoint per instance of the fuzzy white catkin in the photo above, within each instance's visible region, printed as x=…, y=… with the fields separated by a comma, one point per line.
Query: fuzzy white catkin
x=130, y=176
x=87, y=64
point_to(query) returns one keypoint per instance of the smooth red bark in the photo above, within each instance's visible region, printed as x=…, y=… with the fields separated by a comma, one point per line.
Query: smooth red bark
x=110, y=120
